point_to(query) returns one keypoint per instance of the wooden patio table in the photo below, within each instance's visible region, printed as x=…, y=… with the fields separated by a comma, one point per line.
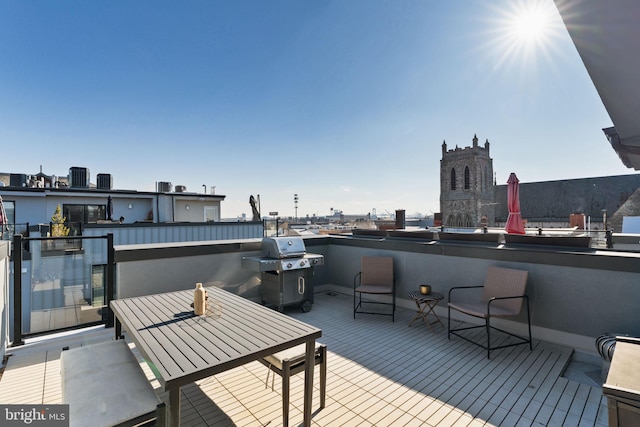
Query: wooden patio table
x=185, y=348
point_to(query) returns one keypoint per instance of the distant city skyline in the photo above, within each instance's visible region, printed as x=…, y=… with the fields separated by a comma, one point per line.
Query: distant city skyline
x=345, y=104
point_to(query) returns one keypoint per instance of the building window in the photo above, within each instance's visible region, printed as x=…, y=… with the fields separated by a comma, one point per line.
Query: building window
x=8, y=220
x=7, y=212
x=453, y=179
x=466, y=178
x=485, y=179
x=82, y=214
x=468, y=222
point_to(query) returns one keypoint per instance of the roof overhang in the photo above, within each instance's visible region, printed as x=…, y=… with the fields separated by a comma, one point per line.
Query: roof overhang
x=607, y=37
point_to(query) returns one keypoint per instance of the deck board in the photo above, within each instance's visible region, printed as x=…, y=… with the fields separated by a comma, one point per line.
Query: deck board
x=380, y=373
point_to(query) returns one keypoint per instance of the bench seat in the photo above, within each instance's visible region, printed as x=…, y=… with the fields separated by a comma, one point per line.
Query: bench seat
x=104, y=385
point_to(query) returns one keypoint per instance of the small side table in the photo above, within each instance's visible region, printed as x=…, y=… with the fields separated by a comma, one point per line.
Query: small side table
x=426, y=304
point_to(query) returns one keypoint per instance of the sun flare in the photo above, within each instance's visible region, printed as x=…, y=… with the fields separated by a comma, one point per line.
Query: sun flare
x=524, y=31
x=529, y=25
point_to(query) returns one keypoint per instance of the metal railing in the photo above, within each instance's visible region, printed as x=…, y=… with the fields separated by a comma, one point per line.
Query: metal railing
x=600, y=239
x=7, y=231
x=75, y=228
x=66, y=288
x=274, y=227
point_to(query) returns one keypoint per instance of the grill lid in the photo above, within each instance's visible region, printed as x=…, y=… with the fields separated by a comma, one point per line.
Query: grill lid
x=283, y=247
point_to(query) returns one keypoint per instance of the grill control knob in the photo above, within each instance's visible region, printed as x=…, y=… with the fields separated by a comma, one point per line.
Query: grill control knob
x=289, y=265
x=302, y=263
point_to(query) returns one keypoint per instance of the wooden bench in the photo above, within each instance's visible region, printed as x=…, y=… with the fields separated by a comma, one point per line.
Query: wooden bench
x=104, y=385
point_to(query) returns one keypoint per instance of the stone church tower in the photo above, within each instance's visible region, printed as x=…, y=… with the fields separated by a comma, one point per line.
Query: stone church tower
x=467, y=186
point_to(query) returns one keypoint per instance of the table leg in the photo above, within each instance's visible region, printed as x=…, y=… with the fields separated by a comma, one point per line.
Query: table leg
x=419, y=314
x=118, y=329
x=174, y=407
x=432, y=311
x=431, y=307
x=309, y=363
x=427, y=304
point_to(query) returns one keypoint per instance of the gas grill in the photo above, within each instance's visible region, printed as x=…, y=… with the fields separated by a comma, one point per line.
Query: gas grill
x=286, y=272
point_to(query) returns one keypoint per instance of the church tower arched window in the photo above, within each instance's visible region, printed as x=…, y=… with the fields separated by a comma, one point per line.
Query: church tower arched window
x=466, y=178
x=453, y=179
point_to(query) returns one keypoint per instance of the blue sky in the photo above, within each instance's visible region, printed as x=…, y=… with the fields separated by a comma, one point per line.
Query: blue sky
x=345, y=103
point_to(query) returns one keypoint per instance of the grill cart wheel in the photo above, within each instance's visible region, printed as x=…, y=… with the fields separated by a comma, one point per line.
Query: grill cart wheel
x=306, y=306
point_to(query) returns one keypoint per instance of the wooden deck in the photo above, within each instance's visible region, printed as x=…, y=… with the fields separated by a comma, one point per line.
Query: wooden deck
x=379, y=374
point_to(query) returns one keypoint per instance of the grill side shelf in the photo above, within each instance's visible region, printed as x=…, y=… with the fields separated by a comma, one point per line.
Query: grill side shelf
x=262, y=264
x=259, y=264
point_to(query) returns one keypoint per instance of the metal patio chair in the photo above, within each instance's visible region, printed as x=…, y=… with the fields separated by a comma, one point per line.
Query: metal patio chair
x=290, y=362
x=376, y=278
x=502, y=296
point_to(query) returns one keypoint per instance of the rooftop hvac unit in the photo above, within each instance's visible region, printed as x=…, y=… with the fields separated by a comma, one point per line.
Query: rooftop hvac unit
x=104, y=181
x=18, y=180
x=181, y=188
x=79, y=177
x=164, y=187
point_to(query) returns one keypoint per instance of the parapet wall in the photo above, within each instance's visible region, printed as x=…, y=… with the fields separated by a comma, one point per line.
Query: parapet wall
x=575, y=295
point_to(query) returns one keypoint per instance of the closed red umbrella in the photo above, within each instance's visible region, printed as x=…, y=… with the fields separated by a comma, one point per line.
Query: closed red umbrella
x=514, y=221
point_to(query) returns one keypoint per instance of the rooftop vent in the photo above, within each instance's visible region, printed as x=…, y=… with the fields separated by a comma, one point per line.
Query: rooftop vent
x=79, y=177
x=18, y=180
x=104, y=181
x=181, y=188
x=163, y=187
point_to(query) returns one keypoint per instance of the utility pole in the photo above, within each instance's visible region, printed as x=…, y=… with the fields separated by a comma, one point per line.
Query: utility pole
x=295, y=206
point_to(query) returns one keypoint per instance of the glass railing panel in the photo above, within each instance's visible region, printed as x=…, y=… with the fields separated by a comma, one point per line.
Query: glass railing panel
x=65, y=284
x=8, y=230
